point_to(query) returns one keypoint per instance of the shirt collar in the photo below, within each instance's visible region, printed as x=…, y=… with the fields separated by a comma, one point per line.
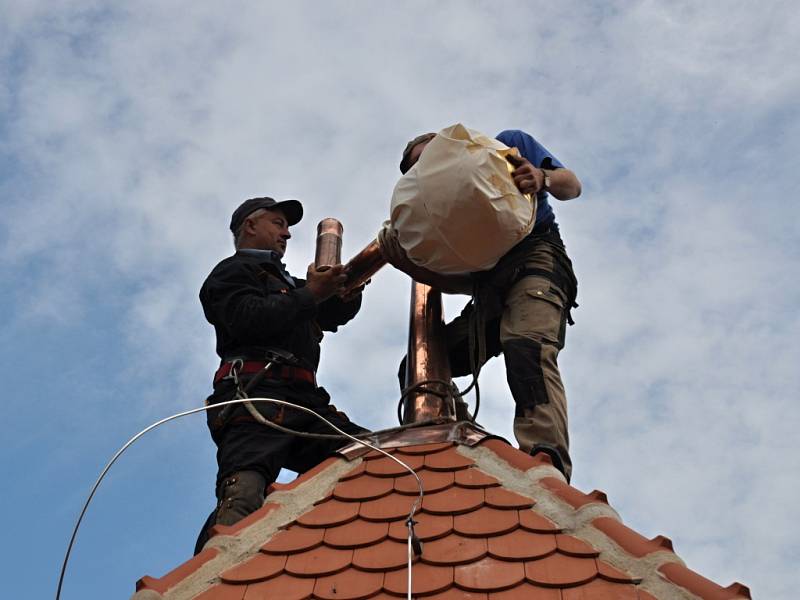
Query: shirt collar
x=271, y=257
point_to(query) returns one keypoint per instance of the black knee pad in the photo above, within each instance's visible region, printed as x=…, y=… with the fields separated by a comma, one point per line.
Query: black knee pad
x=524, y=373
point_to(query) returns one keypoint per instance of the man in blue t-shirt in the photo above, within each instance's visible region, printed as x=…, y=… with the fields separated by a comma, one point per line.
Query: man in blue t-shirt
x=526, y=300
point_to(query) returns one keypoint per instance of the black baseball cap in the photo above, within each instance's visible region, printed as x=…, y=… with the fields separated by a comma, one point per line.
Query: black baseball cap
x=291, y=208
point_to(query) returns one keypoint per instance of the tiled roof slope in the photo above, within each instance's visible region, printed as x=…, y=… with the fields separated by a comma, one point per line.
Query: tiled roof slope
x=495, y=523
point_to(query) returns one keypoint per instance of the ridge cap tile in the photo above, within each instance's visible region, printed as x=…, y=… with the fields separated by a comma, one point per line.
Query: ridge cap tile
x=663, y=542
x=626, y=538
x=514, y=457
x=320, y=561
x=598, y=496
x=699, y=585
x=253, y=517
x=560, y=570
x=569, y=494
x=178, y=574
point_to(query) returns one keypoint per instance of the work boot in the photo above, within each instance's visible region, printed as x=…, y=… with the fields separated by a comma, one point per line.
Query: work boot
x=555, y=457
x=239, y=495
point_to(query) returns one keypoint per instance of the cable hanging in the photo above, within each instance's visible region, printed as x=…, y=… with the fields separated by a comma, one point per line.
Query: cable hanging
x=414, y=544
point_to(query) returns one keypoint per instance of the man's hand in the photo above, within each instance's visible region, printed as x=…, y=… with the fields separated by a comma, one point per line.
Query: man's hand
x=527, y=178
x=391, y=249
x=324, y=284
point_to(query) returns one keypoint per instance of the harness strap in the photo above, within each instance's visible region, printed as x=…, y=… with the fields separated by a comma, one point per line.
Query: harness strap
x=561, y=281
x=250, y=367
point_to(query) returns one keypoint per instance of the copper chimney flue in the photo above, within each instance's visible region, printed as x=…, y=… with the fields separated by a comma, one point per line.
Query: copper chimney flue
x=427, y=366
x=364, y=265
x=329, y=244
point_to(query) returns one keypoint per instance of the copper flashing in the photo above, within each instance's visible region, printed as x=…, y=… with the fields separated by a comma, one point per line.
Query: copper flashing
x=462, y=432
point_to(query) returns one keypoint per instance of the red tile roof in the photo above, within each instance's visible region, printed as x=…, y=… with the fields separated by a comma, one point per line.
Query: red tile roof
x=495, y=524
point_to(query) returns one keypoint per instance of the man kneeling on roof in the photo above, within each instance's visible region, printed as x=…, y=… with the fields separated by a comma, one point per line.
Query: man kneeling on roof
x=261, y=314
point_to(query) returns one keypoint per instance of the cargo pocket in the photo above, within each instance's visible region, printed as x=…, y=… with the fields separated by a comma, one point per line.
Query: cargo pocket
x=534, y=310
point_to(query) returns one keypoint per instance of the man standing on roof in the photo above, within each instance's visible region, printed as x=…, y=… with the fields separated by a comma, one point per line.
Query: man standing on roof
x=526, y=300
x=261, y=314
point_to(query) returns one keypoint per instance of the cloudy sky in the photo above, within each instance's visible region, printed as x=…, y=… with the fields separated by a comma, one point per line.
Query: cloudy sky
x=130, y=131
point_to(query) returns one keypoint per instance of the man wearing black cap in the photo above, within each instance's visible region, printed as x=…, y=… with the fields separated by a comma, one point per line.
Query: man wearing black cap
x=262, y=315
x=525, y=301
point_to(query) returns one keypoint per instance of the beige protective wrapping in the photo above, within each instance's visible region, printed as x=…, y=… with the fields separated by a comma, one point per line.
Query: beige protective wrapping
x=457, y=210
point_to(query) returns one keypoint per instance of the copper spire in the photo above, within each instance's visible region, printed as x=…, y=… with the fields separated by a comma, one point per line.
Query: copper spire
x=427, y=365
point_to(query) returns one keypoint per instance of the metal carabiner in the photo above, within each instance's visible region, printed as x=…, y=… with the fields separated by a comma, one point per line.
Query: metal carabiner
x=236, y=365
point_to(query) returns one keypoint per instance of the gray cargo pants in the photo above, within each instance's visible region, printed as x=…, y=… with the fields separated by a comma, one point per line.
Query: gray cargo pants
x=526, y=303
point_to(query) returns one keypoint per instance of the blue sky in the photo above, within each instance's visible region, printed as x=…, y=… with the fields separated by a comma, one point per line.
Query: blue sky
x=128, y=135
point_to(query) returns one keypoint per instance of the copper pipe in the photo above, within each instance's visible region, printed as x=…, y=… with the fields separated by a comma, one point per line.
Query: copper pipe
x=329, y=244
x=364, y=265
x=427, y=357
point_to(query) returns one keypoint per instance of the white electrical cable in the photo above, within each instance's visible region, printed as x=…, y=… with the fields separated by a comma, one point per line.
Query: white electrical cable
x=414, y=507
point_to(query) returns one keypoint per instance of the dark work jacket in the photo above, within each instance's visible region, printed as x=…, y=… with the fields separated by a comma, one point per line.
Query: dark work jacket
x=255, y=305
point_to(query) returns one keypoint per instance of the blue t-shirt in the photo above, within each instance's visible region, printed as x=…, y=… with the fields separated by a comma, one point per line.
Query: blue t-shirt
x=540, y=157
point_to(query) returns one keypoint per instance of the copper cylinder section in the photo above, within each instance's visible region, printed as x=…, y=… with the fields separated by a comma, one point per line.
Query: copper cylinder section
x=427, y=365
x=364, y=265
x=329, y=244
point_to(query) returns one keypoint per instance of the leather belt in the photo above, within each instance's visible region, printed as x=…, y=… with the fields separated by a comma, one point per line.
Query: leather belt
x=250, y=367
